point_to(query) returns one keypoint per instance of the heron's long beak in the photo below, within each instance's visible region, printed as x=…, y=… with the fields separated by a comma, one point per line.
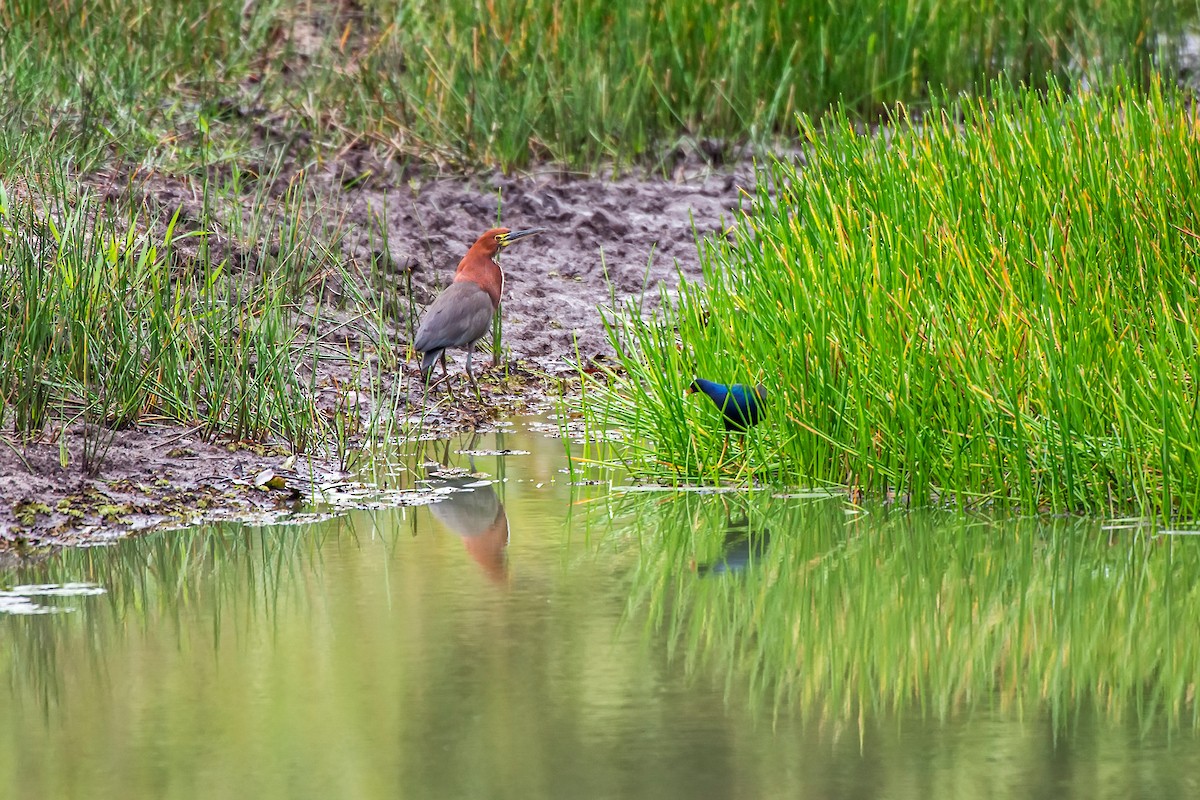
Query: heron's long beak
x=508, y=238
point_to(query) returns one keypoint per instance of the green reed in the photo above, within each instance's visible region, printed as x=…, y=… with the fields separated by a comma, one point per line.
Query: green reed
x=844, y=614
x=997, y=303
x=510, y=82
x=108, y=319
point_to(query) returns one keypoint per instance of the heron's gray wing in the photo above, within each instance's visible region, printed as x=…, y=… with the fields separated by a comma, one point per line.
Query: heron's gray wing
x=459, y=316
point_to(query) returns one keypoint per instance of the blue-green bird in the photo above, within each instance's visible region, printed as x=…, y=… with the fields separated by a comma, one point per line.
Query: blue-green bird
x=741, y=405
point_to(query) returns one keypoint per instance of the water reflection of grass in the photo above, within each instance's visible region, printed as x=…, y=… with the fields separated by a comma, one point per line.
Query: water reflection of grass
x=231, y=573
x=845, y=615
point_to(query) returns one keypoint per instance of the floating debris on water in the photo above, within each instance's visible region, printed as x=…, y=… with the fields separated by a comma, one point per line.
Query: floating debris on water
x=283, y=518
x=503, y=426
x=1129, y=523
x=654, y=487
x=16, y=600
x=577, y=432
x=435, y=470
x=54, y=590
x=810, y=494
x=361, y=496
x=22, y=605
x=803, y=494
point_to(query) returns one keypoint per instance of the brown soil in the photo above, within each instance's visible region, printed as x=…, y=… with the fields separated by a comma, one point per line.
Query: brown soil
x=622, y=238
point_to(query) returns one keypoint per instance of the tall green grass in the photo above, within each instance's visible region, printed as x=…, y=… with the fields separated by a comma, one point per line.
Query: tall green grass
x=997, y=302
x=852, y=616
x=505, y=83
x=588, y=83
x=107, y=320
x=129, y=79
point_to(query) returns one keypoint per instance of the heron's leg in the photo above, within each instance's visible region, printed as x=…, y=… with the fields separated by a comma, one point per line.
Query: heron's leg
x=427, y=379
x=471, y=375
x=428, y=365
x=430, y=383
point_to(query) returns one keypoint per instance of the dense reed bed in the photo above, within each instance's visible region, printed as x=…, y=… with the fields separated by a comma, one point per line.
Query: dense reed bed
x=997, y=302
x=507, y=83
x=850, y=616
x=110, y=321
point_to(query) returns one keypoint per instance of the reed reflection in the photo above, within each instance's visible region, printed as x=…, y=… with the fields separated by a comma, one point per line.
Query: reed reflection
x=840, y=607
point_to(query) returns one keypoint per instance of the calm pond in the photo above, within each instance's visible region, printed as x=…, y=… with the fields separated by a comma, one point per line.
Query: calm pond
x=538, y=637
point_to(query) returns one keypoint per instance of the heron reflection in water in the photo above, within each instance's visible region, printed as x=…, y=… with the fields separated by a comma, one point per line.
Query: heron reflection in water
x=473, y=512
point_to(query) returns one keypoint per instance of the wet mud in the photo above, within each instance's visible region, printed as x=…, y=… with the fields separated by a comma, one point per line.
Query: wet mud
x=607, y=242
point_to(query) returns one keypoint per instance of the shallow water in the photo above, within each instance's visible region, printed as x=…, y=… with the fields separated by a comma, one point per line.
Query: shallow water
x=534, y=638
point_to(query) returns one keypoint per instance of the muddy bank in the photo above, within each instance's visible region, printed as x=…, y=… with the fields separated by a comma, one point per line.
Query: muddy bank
x=619, y=238
x=607, y=240
x=151, y=475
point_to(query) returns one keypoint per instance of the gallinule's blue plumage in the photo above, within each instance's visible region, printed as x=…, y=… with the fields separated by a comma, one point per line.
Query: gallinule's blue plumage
x=741, y=405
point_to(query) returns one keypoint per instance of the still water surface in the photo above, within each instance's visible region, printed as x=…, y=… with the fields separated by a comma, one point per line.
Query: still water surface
x=534, y=638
